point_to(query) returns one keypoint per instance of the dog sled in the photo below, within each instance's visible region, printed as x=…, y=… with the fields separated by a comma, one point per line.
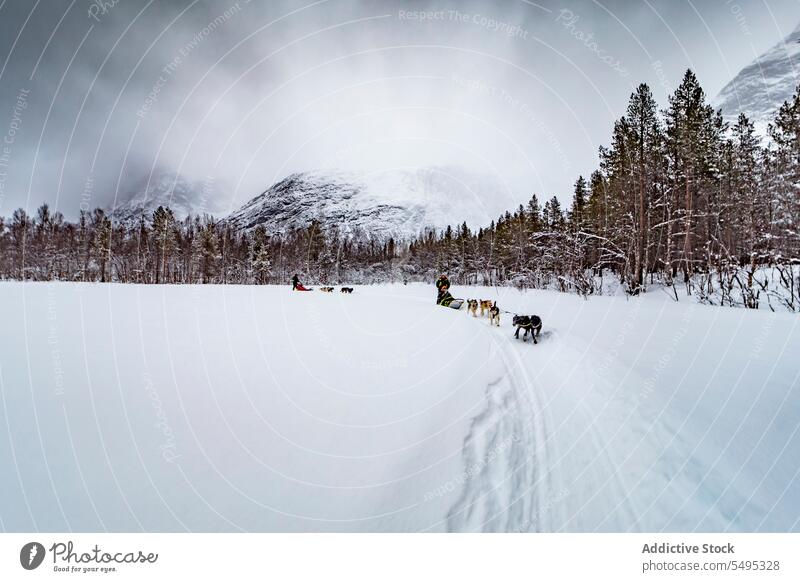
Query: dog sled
x=455, y=304
x=448, y=300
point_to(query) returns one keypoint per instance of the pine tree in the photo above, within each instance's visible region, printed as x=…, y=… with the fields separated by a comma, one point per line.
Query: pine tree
x=45, y=235
x=746, y=211
x=208, y=251
x=21, y=228
x=645, y=140
x=261, y=255
x=578, y=210
x=533, y=214
x=693, y=138
x=163, y=227
x=597, y=218
x=553, y=216
x=101, y=241
x=785, y=132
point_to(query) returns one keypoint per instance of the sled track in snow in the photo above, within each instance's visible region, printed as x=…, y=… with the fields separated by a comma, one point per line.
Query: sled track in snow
x=506, y=472
x=513, y=474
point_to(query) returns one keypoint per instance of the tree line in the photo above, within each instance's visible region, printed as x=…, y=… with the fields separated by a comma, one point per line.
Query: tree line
x=679, y=198
x=160, y=249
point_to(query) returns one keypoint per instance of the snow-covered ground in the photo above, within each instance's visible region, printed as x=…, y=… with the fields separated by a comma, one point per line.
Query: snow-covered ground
x=171, y=408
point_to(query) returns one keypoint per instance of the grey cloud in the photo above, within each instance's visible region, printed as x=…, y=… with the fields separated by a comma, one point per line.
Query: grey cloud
x=216, y=90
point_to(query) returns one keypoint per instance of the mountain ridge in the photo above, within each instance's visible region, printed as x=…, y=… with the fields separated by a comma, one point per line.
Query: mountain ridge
x=760, y=88
x=397, y=203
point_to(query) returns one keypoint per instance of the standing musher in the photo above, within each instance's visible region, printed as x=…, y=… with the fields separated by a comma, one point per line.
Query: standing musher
x=297, y=285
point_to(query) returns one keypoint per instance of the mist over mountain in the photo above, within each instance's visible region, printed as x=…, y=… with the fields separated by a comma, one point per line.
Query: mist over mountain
x=169, y=189
x=399, y=203
x=250, y=92
x=760, y=88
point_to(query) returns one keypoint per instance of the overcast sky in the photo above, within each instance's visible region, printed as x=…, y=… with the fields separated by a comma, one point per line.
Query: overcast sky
x=93, y=95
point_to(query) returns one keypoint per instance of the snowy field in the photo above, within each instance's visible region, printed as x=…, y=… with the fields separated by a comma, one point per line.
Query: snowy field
x=226, y=408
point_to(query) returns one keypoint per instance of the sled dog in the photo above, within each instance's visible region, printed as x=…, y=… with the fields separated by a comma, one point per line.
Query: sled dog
x=472, y=307
x=347, y=289
x=485, y=305
x=530, y=323
x=494, y=315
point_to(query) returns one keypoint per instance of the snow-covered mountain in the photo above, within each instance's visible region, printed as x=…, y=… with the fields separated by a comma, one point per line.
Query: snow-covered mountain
x=762, y=86
x=398, y=203
x=166, y=188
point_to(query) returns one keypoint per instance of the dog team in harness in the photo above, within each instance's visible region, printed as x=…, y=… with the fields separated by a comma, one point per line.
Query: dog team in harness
x=529, y=323
x=298, y=286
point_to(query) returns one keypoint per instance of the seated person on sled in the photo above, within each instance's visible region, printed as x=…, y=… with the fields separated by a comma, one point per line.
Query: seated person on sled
x=443, y=285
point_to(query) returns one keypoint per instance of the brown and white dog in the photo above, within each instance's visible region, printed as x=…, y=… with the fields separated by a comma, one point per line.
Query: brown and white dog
x=326, y=289
x=472, y=307
x=485, y=305
x=494, y=315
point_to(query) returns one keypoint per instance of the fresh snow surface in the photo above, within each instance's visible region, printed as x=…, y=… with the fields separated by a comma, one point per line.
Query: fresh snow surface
x=227, y=408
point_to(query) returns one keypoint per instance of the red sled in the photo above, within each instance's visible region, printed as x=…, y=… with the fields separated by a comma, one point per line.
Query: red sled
x=301, y=288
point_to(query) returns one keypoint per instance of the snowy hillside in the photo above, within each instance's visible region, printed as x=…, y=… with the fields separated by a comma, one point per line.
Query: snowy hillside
x=762, y=86
x=172, y=408
x=164, y=188
x=400, y=203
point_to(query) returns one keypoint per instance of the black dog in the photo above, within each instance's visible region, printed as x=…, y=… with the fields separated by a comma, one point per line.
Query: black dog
x=347, y=289
x=530, y=323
